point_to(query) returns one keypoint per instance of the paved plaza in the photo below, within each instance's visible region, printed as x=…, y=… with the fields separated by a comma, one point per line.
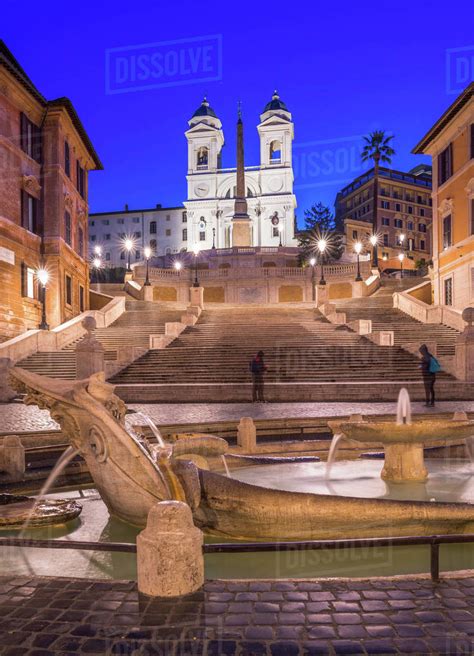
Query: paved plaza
x=16, y=417
x=44, y=617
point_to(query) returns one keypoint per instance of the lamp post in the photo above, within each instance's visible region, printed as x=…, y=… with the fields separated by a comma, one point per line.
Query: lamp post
x=358, y=250
x=96, y=262
x=147, y=252
x=313, y=278
x=322, y=244
x=213, y=239
x=178, y=266
x=401, y=257
x=375, y=255
x=128, y=247
x=280, y=232
x=402, y=240
x=196, y=253
x=98, y=251
x=43, y=277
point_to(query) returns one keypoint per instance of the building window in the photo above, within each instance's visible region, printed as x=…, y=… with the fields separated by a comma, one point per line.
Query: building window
x=385, y=204
x=121, y=221
x=398, y=223
x=422, y=211
x=29, y=212
x=92, y=237
x=137, y=235
x=107, y=257
x=410, y=209
x=30, y=138
x=385, y=221
x=67, y=229
x=202, y=158
x=27, y=281
x=136, y=219
x=81, y=298
x=137, y=255
x=410, y=225
x=354, y=233
x=92, y=224
x=472, y=140
x=447, y=238
x=168, y=217
x=275, y=152
x=202, y=236
x=80, y=241
x=422, y=227
x=68, y=290
x=153, y=245
x=445, y=164
x=276, y=232
x=185, y=217
x=411, y=244
x=398, y=207
x=185, y=234
x=122, y=255
x=107, y=237
x=105, y=222
x=80, y=180
x=448, y=291
x=385, y=240
x=67, y=160
x=168, y=232
x=153, y=228
x=422, y=244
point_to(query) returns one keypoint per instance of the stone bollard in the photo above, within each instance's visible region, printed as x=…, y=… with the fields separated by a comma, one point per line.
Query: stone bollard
x=12, y=458
x=170, y=561
x=7, y=394
x=464, y=353
x=247, y=435
x=89, y=352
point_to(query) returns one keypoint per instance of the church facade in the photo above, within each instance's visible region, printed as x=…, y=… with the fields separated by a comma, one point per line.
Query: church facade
x=206, y=217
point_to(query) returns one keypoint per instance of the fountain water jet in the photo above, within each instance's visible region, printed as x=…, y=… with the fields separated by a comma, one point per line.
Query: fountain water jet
x=403, y=407
x=226, y=466
x=333, y=449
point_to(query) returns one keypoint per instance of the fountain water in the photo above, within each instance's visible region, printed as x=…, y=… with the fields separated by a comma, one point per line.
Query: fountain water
x=333, y=449
x=151, y=424
x=69, y=454
x=403, y=407
x=226, y=466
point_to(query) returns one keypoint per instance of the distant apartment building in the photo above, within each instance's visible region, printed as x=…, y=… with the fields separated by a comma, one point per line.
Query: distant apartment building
x=450, y=142
x=404, y=213
x=45, y=158
x=163, y=229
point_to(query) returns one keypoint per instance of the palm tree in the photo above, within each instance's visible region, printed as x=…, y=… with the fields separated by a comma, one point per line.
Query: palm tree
x=377, y=148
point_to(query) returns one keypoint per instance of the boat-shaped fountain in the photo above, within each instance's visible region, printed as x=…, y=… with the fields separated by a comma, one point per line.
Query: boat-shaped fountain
x=131, y=478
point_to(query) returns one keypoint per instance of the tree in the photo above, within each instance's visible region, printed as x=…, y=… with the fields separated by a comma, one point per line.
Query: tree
x=377, y=148
x=319, y=224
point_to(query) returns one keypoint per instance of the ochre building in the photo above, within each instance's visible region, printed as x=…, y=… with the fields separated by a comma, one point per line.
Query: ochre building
x=450, y=142
x=45, y=157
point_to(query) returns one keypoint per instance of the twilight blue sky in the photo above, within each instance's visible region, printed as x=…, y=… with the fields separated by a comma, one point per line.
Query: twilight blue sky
x=343, y=68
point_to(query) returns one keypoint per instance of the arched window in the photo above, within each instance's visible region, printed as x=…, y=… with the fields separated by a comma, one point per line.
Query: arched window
x=202, y=158
x=153, y=228
x=275, y=152
x=168, y=251
x=153, y=245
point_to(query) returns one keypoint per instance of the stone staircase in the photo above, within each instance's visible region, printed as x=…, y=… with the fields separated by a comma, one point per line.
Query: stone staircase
x=133, y=328
x=301, y=349
x=379, y=309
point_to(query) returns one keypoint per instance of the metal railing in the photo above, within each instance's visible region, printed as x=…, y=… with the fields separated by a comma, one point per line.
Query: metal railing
x=433, y=541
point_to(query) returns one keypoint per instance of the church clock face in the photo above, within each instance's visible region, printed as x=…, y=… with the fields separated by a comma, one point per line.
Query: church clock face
x=202, y=224
x=275, y=184
x=201, y=189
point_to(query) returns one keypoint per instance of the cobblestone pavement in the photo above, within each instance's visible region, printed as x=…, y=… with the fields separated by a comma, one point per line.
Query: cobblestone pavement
x=21, y=418
x=42, y=617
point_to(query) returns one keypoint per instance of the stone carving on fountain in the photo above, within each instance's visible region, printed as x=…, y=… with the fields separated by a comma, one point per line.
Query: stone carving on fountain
x=131, y=477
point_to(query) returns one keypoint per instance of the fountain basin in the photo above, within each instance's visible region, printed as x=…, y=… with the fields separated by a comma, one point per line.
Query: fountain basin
x=388, y=432
x=15, y=510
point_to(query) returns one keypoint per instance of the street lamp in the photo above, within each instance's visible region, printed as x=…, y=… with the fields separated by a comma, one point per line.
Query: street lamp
x=128, y=243
x=43, y=277
x=402, y=240
x=196, y=254
x=375, y=255
x=313, y=277
x=280, y=232
x=322, y=244
x=98, y=251
x=358, y=250
x=96, y=262
x=401, y=257
x=213, y=239
x=178, y=266
x=147, y=252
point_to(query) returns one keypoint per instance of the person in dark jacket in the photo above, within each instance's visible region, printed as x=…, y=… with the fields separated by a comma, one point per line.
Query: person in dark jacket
x=258, y=368
x=429, y=378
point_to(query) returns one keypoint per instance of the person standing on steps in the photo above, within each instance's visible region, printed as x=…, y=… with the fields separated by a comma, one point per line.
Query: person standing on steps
x=429, y=368
x=258, y=369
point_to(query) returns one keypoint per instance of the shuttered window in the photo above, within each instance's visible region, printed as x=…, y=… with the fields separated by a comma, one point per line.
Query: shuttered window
x=67, y=159
x=447, y=232
x=67, y=229
x=30, y=138
x=445, y=164
x=80, y=180
x=29, y=212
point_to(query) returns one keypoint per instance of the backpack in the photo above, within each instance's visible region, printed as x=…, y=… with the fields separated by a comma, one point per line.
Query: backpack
x=434, y=365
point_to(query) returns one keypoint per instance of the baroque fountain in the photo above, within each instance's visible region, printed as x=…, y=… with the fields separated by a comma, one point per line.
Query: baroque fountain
x=132, y=476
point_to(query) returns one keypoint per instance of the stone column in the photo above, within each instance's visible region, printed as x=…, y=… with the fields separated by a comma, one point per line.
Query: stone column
x=89, y=352
x=196, y=296
x=404, y=462
x=464, y=354
x=247, y=435
x=170, y=560
x=7, y=394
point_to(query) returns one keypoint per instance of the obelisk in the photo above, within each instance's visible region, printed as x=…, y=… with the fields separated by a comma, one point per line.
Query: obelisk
x=240, y=220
